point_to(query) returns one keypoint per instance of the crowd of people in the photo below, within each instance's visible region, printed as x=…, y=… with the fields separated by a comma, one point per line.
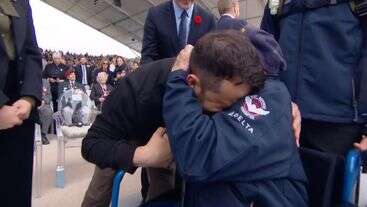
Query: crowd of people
x=219, y=113
x=93, y=75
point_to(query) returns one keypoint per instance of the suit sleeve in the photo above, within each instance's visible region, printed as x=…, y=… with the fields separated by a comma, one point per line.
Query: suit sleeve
x=105, y=143
x=203, y=149
x=149, y=50
x=32, y=82
x=3, y=99
x=269, y=24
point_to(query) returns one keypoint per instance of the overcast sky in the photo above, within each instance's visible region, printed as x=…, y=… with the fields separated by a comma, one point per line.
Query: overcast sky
x=58, y=31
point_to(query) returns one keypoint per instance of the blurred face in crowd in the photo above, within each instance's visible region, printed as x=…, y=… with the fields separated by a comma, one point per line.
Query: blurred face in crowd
x=105, y=65
x=56, y=59
x=113, y=61
x=83, y=61
x=184, y=4
x=71, y=76
x=63, y=61
x=135, y=66
x=120, y=61
x=102, y=78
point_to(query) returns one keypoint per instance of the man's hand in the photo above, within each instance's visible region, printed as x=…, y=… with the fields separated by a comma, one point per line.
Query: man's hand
x=362, y=146
x=59, y=80
x=8, y=117
x=183, y=59
x=51, y=80
x=296, y=114
x=101, y=99
x=24, y=107
x=156, y=153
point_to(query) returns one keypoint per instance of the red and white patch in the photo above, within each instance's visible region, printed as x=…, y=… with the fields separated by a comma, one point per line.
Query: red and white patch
x=254, y=106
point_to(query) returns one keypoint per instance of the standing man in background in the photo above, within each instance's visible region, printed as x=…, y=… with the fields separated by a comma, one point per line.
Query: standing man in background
x=324, y=43
x=83, y=72
x=323, y=77
x=229, y=11
x=54, y=73
x=20, y=94
x=185, y=22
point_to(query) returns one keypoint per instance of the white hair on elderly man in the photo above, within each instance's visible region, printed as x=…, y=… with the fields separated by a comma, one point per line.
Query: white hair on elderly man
x=102, y=77
x=56, y=55
x=226, y=6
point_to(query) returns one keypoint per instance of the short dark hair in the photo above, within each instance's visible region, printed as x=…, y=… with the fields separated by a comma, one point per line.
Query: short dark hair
x=227, y=54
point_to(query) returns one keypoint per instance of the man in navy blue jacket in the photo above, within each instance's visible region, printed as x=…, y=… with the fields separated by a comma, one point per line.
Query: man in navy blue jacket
x=170, y=26
x=323, y=45
x=245, y=153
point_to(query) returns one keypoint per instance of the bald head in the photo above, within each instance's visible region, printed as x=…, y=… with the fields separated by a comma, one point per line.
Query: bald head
x=231, y=7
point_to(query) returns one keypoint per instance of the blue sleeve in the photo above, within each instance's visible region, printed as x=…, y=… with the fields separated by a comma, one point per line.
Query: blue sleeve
x=204, y=147
x=269, y=24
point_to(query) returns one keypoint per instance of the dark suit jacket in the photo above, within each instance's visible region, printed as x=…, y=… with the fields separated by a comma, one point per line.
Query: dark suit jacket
x=28, y=62
x=79, y=74
x=130, y=116
x=226, y=22
x=97, y=93
x=160, y=32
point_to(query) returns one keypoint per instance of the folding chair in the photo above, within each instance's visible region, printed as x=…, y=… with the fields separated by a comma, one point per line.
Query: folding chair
x=352, y=173
x=116, y=190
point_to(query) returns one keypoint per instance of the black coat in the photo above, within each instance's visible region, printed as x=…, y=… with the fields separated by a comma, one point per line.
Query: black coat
x=24, y=77
x=130, y=115
x=160, y=37
x=97, y=92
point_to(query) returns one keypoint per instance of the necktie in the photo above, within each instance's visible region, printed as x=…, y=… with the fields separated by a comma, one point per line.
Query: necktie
x=84, y=81
x=182, y=34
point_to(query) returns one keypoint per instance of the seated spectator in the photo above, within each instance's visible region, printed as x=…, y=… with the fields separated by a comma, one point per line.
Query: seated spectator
x=70, y=83
x=103, y=67
x=100, y=90
x=45, y=111
x=245, y=152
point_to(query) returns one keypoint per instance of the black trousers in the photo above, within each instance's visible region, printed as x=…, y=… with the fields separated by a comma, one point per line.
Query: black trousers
x=329, y=137
x=16, y=158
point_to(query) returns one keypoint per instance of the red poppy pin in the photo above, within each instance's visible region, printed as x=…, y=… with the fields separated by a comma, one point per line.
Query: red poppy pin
x=197, y=20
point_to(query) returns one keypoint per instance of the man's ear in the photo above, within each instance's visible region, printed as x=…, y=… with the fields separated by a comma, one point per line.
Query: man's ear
x=192, y=80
